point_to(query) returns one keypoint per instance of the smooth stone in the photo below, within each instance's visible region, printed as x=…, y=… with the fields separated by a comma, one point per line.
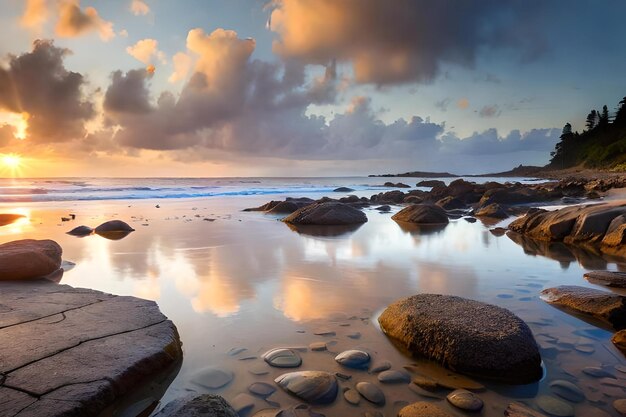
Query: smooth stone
x=343, y=190
x=597, y=372
x=352, y=396
x=390, y=377
x=567, y=390
x=207, y=405
x=425, y=393
x=355, y=335
x=242, y=402
x=262, y=389
x=282, y=358
x=445, y=378
x=80, y=231
x=343, y=376
x=325, y=332
x=554, y=406
x=380, y=366
x=236, y=351
x=423, y=409
x=29, y=258
x=259, y=370
x=465, y=400
x=620, y=406
x=114, y=226
x=300, y=410
x=452, y=331
x=371, y=393
x=315, y=387
x=619, y=340
x=422, y=214
x=425, y=382
x=326, y=213
x=520, y=410
x=318, y=346
x=353, y=358
x=213, y=377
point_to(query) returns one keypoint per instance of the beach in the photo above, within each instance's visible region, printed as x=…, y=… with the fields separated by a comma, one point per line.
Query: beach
x=237, y=284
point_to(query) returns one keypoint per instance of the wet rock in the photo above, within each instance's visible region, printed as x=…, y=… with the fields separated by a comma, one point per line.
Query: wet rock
x=242, y=403
x=392, y=377
x=451, y=203
x=520, y=410
x=424, y=392
x=607, y=278
x=261, y=389
x=264, y=207
x=114, y=226
x=212, y=377
x=284, y=207
x=352, y=396
x=300, y=410
x=207, y=405
x=466, y=335
x=9, y=218
x=423, y=409
x=498, y=231
x=380, y=366
x=425, y=382
x=353, y=358
x=465, y=400
x=396, y=185
x=422, y=214
x=493, y=211
x=81, y=231
x=597, y=372
x=384, y=208
x=343, y=190
x=318, y=346
x=619, y=340
x=605, y=306
x=445, y=378
x=354, y=335
x=329, y=213
x=567, y=390
x=282, y=358
x=28, y=258
x=315, y=387
x=413, y=199
x=371, y=393
x=431, y=183
x=554, y=406
x=620, y=406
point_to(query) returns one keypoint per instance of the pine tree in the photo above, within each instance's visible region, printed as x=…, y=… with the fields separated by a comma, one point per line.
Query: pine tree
x=592, y=120
x=620, y=115
x=604, y=116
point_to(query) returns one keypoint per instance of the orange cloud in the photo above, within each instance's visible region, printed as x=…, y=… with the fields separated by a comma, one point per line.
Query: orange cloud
x=182, y=64
x=35, y=14
x=75, y=22
x=146, y=51
x=139, y=7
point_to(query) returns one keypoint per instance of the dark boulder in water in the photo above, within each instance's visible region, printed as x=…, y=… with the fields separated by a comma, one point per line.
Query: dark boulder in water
x=422, y=214
x=81, y=231
x=328, y=213
x=114, y=226
x=343, y=190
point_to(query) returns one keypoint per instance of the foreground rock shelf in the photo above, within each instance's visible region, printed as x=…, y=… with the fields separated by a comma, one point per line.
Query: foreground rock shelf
x=74, y=351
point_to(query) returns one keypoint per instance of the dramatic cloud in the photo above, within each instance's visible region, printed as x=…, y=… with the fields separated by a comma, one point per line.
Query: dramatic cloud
x=35, y=14
x=401, y=41
x=6, y=135
x=146, y=51
x=139, y=7
x=38, y=84
x=75, y=22
x=182, y=65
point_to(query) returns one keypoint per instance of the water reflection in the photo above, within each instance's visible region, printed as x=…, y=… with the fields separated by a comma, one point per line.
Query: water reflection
x=324, y=231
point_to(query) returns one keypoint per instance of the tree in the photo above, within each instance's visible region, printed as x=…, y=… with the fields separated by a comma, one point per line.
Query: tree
x=592, y=120
x=620, y=116
x=567, y=130
x=604, y=116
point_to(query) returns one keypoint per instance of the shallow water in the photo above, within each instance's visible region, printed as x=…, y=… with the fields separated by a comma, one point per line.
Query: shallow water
x=245, y=280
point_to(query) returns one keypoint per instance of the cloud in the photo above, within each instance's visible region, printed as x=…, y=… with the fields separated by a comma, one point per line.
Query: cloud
x=426, y=35
x=443, y=104
x=146, y=51
x=182, y=65
x=74, y=22
x=128, y=93
x=139, y=7
x=37, y=83
x=35, y=15
x=6, y=135
x=490, y=111
x=462, y=103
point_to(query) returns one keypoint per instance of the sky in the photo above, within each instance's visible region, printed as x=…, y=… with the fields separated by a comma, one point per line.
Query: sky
x=299, y=87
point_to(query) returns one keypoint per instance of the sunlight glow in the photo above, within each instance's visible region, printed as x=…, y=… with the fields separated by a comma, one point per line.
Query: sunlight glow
x=19, y=122
x=10, y=165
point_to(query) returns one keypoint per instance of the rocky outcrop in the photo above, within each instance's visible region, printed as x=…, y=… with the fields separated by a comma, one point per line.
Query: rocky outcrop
x=289, y=205
x=28, y=258
x=396, y=185
x=451, y=203
x=329, y=213
x=467, y=336
x=78, y=351
x=422, y=214
x=607, y=307
x=607, y=278
x=431, y=183
x=9, y=218
x=207, y=405
x=492, y=211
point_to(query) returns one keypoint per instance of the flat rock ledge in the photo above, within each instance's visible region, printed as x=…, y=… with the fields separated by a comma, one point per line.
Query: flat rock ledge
x=466, y=336
x=76, y=351
x=607, y=278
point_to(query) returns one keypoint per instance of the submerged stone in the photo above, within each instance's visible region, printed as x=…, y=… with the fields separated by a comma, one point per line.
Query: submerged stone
x=554, y=406
x=282, y=358
x=207, y=405
x=352, y=396
x=465, y=400
x=81, y=231
x=353, y=358
x=371, y=393
x=212, y=377
x=380, y=366
x=314, y=387
x=423, y=409
x=520, y=410
x=262, y=389
x=390, y=377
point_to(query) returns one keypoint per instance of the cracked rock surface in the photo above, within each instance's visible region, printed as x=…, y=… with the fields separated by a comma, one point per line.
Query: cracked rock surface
x=75, y=351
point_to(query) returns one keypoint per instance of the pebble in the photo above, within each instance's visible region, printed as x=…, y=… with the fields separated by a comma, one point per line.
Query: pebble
x=355, y=335
x=242, y=402
x=391, y=377
x=371, y=393
x=520, y=410
x=262, y=389
x=352, y=396
x=318, y=346
x=585, y=348
x=357, y=359
x=567, y=390
x=465, y=400
x=446, y=378
x=424, y=393
x=325, y=333
x=212, y=377
x=554, y=406
x=345, y=377
x=300, y=410
x=425, y=382
x=620, y=406
x=259, y=370
x=597, y=372
x=236, y=351
x=311, y=386
x=380, y=366
x=282, y=358
x=422, y=409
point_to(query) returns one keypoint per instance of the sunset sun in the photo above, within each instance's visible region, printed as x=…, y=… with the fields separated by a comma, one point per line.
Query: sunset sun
x=11, y=161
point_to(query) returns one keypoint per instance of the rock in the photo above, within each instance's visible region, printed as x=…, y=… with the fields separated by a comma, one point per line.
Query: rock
x=520, y=410
x=423, y=409
x=554, y=406
x=396, y=185
x=567, y=390
x=300, y=410
x=391, y=377
x=356, y=359
x=315, y=387
x=264, y=207
x=81, y=231
x=451, y=203
x=9, y=218
x=597, y=372
x=371, y=393
x=443, y=377
x=498, y=231
x=261, y=389
x=616, y=233
x=318, y=346
x=493, y=211
x=206, y=405
x=465, y=400
x=431, y=183
x=380, y=366
x=212, y=377
x=284, y=207
x=343, y=190
x=422, y=214
x=28, y=258
x=126, y=342
x=384, y=208
x=242, y=403
x=620, y=406
x=619, y=340
x=465, y=335
x=329, y=213
x=607, y=278
x=352, y=396
x=413, y=199
x=605, y=306
x=113, y=226
x=282, y=358
x=425, y=382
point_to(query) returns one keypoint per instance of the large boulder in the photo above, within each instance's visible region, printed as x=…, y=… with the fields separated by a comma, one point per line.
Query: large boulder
x=492, y=211
x=28, y=258
x=464, y=335
x=431, y=183
x=451, y=203
x=422, y=214
x=607, y=278
x=206, y=405
x=113, y=226
x=343, y=190
x=601, y=305
x=328, y=213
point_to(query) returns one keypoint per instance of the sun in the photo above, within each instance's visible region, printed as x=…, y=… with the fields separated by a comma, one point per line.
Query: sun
x=11, y=161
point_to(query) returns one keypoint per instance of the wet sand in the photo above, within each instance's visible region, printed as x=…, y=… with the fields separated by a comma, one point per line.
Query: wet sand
x=244, y=280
